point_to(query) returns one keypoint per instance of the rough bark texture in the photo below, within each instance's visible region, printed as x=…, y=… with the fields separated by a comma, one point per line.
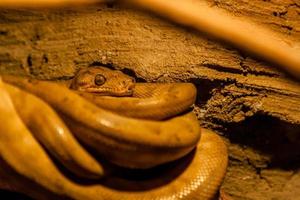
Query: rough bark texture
x=255, y=106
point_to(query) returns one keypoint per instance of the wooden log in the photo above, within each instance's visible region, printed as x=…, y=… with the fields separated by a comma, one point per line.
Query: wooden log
x=256, y=106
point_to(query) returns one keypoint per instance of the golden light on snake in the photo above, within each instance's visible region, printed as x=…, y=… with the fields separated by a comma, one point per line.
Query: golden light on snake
x=191, y=169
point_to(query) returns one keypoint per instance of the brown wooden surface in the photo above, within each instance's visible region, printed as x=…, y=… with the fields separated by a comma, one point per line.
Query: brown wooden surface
x=254, y=104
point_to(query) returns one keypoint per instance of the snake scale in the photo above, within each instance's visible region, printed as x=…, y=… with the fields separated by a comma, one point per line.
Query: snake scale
x=137, y=129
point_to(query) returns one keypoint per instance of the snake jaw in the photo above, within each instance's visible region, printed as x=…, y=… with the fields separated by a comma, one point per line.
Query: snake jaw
x=108, y=92
x=112, y=83
x=131, y=87
x=122, y=89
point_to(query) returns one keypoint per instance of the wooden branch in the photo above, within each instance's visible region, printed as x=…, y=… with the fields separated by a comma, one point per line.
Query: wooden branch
x=238, y=32
x=47, y=3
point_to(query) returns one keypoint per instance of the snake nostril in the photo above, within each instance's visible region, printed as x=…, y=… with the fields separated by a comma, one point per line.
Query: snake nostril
x=131, y=86
x=129, y=82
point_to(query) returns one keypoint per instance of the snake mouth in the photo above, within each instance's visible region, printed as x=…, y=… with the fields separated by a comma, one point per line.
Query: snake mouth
x=124, y=92
x=113, y=93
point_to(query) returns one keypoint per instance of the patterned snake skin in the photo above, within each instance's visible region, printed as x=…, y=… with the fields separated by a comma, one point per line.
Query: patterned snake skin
x=129, y=134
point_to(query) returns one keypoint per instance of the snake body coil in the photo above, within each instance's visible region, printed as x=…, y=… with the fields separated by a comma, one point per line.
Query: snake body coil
x=162, y=141
x=50, y=130
x=134, y=143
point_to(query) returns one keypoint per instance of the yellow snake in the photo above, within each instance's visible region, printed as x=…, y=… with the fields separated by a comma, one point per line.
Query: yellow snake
x=135, y=143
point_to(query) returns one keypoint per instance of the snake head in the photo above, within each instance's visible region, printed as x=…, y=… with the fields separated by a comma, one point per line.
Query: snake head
x=103, y=81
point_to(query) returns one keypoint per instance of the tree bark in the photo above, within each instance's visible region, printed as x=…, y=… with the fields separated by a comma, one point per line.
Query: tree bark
x=255, y=106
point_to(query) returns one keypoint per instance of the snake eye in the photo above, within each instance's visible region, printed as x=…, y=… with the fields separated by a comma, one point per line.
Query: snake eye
x=99, y=80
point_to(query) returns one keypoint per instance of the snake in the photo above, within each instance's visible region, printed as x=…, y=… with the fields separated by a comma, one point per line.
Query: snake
x=152, y=141
x=140, y=100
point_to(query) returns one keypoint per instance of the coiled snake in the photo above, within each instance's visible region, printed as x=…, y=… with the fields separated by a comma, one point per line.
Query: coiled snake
x=138, y=132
